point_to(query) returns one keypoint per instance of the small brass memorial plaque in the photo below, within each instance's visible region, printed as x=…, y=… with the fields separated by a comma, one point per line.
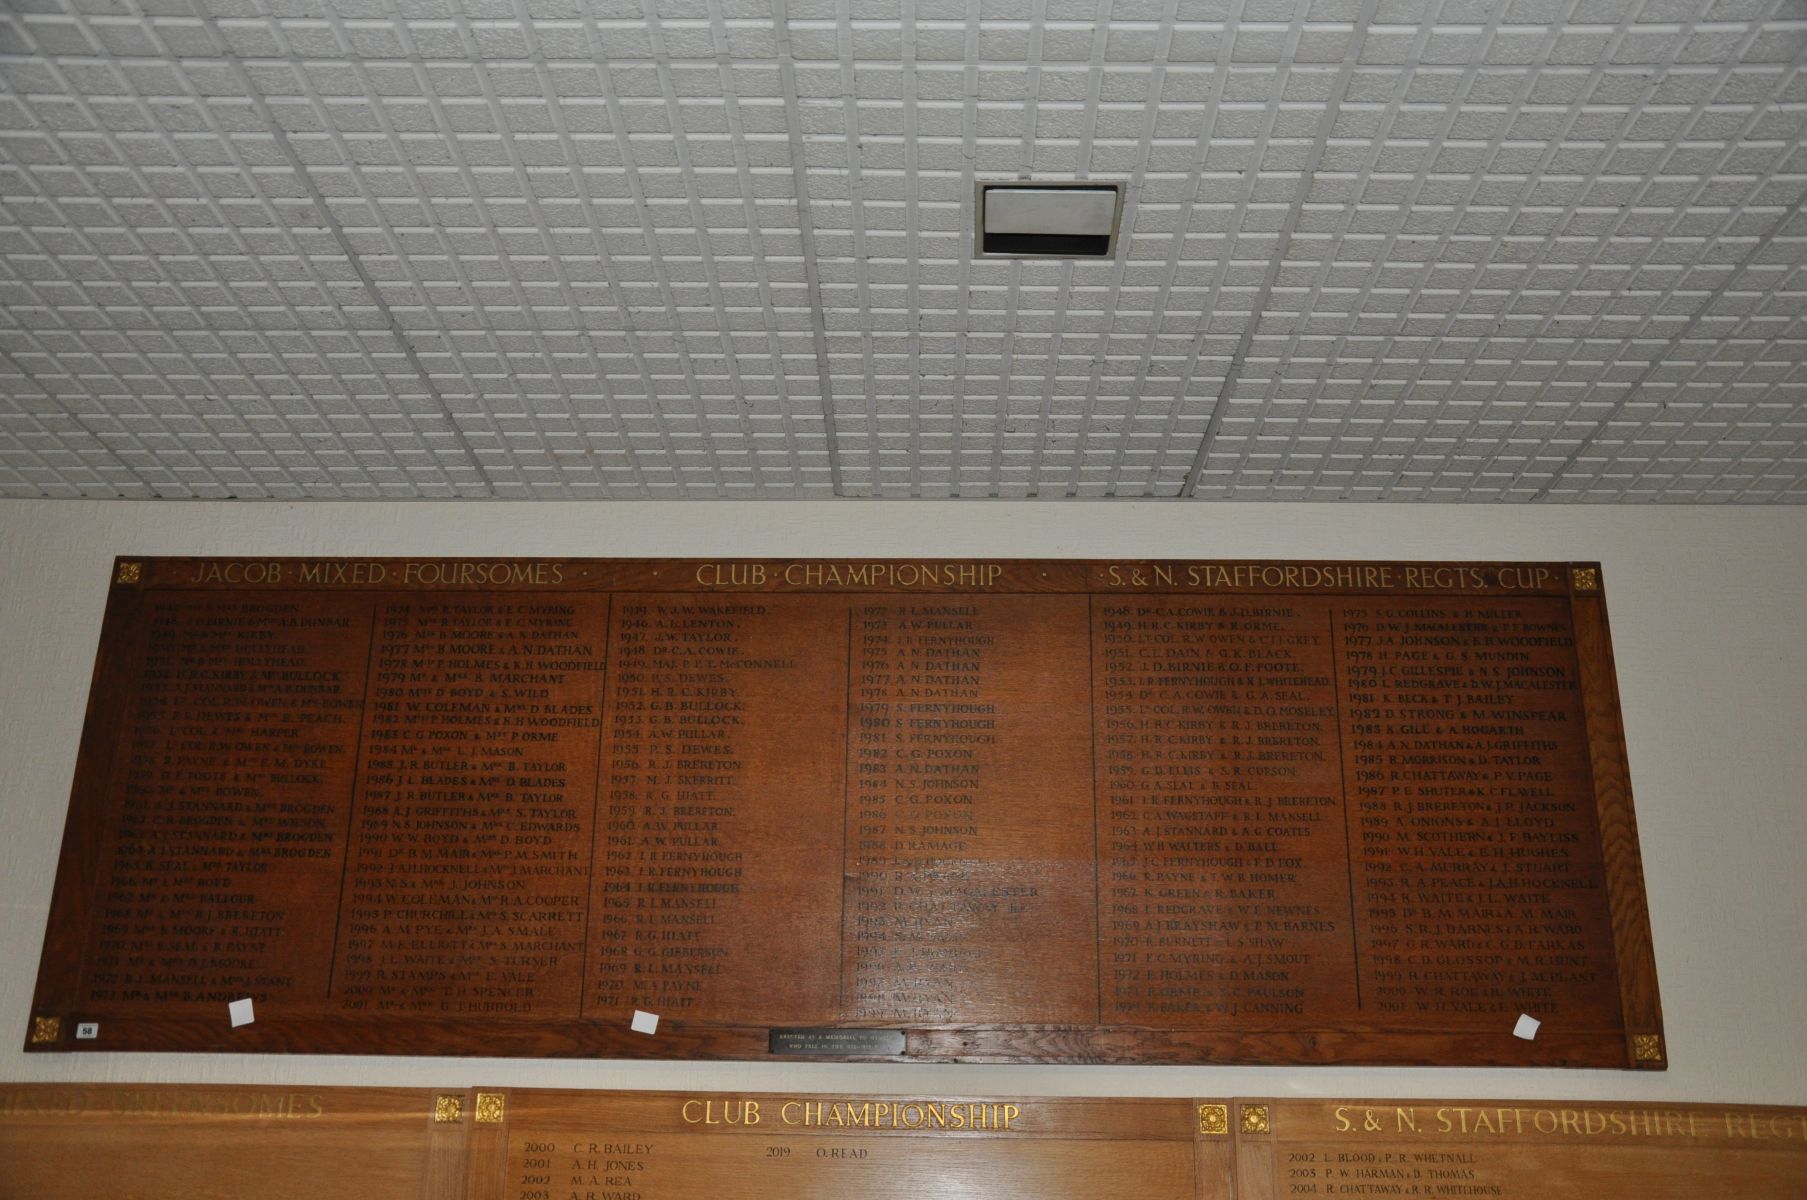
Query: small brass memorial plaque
x=839, y=1043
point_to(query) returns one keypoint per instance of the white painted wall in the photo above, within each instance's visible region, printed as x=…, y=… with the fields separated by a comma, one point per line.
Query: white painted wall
x=1709, y=614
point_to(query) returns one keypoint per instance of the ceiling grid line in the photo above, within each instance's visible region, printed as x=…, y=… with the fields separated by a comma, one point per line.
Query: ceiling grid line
x=1397, y=229
x=911, y=133
x=959, y=316
x=1798, y=447
x=1137, y=187
x=1132, y=194
x=586, y=202
x=1190, y=209
x=1796, y=450
x=1244, y=211
x=442, y=317
x=1003, y=419
x=1314, y=156
x=64, y=411
x=509, y=153
x=1681, y=336
x=1280, y=259
x=74, y=418
x=1481, y=345
x=1184, y=206
x=756, y=239
x=1774, y=393
x=635, y=187
x=855, y=261
x=787, y=77
x=1088, y=132
x=1564, y=220
x=1657, y=344
x=185, y=354
x=392, y=239
x=1220, y=405
x=581, y=194
x=1624, y=392
x=611, y=271
x=711, y=273
x=329, y=221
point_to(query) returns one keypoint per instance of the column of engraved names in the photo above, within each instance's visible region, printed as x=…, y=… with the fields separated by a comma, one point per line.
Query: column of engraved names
x=579, y=1164
x=1382, y=1151
x=969, y=863
x=1221, y=832
x=1477, y=854
x=716, y=885
x=231, y=801
x=469, y=871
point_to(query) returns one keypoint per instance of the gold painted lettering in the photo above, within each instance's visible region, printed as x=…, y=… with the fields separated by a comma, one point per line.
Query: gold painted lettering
x=238, y=572
x=730, y=574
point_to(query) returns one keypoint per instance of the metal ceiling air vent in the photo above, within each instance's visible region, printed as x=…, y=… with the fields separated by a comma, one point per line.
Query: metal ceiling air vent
x=1038, y=219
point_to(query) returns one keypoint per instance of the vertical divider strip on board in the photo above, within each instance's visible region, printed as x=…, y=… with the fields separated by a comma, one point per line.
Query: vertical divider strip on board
x=1215, y=1155
x=1251, y=1126
x=448, y=1138
x=487, y=1143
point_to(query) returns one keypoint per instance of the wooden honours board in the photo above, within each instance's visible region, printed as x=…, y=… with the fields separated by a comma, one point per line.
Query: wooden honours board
x=111, y=1142
x=1534, y=1150
x=164, y=1142
x=979, y=810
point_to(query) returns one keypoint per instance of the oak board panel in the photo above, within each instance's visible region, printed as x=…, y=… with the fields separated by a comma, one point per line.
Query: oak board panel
x=820, y=1147
x=1011, y=810
x=1519, y=1150
x=202, y=1142
x=186, y=1142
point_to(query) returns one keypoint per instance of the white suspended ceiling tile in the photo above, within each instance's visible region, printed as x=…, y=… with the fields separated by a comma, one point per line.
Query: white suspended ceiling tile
x=1371, y=248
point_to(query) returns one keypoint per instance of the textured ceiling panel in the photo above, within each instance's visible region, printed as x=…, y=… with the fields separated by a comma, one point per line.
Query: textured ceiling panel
x=1374, y=249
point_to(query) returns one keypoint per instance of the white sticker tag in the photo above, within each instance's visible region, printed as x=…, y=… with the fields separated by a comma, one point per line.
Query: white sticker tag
x=1527, y=1027
x=241, y=1012
x=87, y=1031
x=645, y=1022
